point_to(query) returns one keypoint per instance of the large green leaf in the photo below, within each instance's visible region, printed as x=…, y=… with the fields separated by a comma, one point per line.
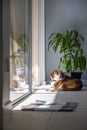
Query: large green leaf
x=75, y=59
x=52, y=34
x=82, y=63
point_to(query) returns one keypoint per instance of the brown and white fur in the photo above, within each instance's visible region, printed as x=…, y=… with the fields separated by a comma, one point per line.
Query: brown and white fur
x=62, y=82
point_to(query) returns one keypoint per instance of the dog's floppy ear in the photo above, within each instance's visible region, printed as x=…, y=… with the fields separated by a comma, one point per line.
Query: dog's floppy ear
x=54, y=72
x=57, y=71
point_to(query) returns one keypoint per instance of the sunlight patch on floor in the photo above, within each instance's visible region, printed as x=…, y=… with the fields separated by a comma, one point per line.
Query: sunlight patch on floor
x=39, y=94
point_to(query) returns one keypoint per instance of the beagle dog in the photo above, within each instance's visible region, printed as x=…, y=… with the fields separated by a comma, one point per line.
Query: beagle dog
x=62, y=82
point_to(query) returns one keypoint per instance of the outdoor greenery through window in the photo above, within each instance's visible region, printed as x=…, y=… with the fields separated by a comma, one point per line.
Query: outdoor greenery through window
x=19, y=48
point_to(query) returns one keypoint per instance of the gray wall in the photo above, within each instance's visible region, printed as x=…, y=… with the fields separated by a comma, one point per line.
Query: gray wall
x=60, y=16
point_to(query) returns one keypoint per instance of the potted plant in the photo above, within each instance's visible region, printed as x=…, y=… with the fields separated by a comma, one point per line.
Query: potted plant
x=69, y=45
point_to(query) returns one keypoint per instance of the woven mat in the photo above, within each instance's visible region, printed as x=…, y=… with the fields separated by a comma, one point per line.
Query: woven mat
x=43, y=106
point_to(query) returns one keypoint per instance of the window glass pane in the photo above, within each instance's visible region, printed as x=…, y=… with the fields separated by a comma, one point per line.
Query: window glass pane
x=19, y=48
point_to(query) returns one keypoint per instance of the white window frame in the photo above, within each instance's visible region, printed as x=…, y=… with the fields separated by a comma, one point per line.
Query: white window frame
x=41, y=40
x=38, y=38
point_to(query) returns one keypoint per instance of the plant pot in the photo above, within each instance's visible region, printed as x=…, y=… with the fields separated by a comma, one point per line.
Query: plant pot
x=76, y=75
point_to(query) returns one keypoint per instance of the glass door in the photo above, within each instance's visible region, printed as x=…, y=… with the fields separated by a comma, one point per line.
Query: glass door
x=19, y=48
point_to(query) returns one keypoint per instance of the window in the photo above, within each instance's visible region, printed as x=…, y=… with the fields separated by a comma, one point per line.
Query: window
x=19, y=48
x=24, y=55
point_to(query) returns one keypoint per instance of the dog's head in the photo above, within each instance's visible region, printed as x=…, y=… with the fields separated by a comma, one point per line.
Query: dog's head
x=57, y=75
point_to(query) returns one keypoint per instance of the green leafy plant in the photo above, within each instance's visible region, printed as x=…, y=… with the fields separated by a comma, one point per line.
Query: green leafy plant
x=16, y=60
x=21, y=40
x=69, y=45
x=18, y=49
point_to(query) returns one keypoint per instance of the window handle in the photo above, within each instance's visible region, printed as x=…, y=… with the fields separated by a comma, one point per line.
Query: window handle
x=6, y=64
